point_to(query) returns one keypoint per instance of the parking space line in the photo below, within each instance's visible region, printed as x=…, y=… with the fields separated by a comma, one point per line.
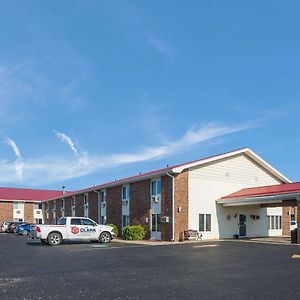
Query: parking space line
x=206, y=246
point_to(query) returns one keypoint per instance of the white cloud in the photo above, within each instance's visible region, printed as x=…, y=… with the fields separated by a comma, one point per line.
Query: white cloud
x=19, y=164
x=56, y=169
x=66, y=139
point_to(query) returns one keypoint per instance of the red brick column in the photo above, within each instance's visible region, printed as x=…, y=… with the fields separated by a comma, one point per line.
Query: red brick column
x=28, y=212
x=93, y=206
x=114, y=206
x=140, y=204
x=286, y=221
x=166, y=207
x=6, y=211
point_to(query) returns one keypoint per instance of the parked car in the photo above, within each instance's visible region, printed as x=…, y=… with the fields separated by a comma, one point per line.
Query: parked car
x=4, y=226
x=12, y=227
x=293, y=225
x=73, y=229
x=24, y=229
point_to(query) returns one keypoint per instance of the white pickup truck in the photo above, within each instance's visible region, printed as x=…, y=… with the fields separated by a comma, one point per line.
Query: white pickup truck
x=73, y=229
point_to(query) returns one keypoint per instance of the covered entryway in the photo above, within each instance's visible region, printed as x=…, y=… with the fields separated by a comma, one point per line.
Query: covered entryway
x=286, y=196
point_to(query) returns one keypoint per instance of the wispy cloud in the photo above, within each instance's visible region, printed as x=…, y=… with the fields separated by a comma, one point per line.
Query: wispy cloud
x=19, y=164
x=161, y=46
x=66, y=139
x=56, y=169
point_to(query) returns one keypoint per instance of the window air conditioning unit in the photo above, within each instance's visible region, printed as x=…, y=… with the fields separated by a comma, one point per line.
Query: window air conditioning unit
x=38, y=212
x=125, y=202
x=102, y=204
x=155, y=199
x=165, y=219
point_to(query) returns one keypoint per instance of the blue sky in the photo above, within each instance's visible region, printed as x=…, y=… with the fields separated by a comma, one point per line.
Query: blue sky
x=92, y=91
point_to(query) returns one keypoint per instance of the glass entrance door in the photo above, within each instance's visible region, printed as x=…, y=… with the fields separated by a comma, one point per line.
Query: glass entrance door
x=156, y=227
x=242, y=225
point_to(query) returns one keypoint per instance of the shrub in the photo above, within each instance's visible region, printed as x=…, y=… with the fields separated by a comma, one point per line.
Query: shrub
x=116, y=230
x=134, y=232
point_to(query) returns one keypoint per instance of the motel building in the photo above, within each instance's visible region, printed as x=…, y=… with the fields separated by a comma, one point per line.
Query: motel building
x=24, y=205
x=236, y=193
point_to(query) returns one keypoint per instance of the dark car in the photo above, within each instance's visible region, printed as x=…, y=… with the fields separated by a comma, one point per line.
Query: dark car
x=12, y=227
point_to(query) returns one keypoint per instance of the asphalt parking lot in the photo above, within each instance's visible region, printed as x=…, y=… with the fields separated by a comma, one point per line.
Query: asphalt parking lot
x=214, y=270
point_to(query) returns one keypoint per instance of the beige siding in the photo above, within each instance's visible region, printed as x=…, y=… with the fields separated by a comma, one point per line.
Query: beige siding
x=210, y=182
x=238, y=170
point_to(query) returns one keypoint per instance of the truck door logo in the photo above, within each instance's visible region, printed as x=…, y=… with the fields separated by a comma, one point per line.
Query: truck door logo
x=75, y=230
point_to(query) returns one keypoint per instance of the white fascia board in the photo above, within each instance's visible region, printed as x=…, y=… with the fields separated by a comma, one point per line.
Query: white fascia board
x=245, y=151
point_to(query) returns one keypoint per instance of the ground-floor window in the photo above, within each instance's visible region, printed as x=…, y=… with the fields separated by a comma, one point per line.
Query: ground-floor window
x=274, y=222
x=156, y=222
x=38, y=221
x=125, y=220
x=204, y=222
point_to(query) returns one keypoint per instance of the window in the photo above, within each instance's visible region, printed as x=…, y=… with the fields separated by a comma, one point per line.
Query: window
x=125, y=220
x=54, y=205
x=75, y=221
x=204, y=222
x=85, y=201
x=40, y=206
x=62, y=204
x=102, y=196
x=125, y=192
x=274, y=222
x=103, y=220
x=155, y=187
x=87, y=222
x=73, y=201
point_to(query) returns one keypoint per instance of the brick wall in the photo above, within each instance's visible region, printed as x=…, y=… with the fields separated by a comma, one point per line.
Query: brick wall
x=93, y=206
x=28, y=212
x=286, y=218
x=140, y=204
x=79, y=205
x=114, y=206
x=68, y=205
x=6, y=211
x=166, y=207
x=181, y=200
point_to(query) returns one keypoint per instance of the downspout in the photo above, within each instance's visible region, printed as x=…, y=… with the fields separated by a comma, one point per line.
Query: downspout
x=173, y=205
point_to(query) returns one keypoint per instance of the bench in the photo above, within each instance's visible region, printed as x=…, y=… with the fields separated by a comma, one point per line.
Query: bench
x=192, y=235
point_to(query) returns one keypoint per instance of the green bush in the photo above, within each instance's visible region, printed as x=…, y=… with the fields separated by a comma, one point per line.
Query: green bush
x=116, y=230
x=134, y=232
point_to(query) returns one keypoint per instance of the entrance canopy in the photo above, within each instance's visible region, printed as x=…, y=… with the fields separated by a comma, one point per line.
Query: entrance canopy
x=279, y=195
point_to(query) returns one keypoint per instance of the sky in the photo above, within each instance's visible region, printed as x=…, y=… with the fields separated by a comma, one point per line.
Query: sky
x=92, y=91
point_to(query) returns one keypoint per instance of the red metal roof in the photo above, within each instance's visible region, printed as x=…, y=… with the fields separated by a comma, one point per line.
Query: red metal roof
x=269, y=190
x=27, y=194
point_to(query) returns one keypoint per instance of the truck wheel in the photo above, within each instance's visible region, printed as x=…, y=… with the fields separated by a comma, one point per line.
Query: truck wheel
x=45, y=242
x=54, y=239
x=105, y=237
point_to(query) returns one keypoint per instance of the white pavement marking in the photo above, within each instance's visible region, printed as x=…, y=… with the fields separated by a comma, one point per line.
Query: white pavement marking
x=206, y=246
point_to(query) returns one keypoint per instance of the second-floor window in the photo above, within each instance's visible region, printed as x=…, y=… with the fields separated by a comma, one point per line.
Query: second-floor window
x=102, y=196
x=62, y=204
x=85, y=200
x=125, y=192
x=155, y=187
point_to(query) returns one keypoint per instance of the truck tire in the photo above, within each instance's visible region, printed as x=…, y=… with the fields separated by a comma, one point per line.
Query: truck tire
x=105, y=237
x=54, y=238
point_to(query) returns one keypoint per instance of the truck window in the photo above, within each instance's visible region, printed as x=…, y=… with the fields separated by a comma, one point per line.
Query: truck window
x=62, y=221
x=87, y=222
x=75, y=221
